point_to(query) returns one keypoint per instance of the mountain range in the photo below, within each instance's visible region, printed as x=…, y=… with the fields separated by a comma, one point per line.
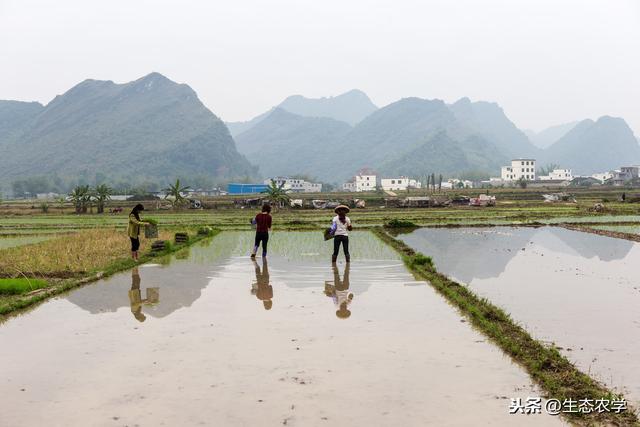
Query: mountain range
x=149, y=129
x=153, y=129
x=417, y=136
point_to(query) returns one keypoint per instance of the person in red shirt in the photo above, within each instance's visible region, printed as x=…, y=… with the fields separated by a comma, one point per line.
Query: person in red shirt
x=262, y=222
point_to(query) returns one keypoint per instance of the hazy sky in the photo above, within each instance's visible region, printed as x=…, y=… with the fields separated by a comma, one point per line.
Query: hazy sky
x=545, y=61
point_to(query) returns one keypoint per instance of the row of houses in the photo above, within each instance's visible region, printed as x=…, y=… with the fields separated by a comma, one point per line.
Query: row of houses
x=367, y=180
x=525, y=168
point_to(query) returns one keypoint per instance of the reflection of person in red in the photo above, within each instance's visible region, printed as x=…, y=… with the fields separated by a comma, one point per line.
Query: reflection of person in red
x=261, y=288
x=339, y=292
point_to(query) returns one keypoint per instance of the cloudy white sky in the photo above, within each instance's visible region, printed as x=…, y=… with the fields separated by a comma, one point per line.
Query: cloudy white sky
x=545, y=61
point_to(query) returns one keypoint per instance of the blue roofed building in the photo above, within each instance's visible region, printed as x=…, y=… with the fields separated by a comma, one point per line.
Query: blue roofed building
x=247, y=188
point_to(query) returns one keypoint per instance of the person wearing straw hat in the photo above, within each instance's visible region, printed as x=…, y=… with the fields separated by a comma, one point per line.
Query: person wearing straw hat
x=340, y=227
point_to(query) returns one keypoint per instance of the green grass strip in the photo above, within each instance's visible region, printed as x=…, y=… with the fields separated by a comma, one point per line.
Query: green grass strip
x=14, y=306
x=555, y=374
x=20, y=286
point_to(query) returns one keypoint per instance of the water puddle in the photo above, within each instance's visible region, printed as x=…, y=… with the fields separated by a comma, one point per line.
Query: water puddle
x=579, y=290
x=214, y=338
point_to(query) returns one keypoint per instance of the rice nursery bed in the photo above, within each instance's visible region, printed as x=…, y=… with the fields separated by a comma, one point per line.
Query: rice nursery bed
x=18, y=286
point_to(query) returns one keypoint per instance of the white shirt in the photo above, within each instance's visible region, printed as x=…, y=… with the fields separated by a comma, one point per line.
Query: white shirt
x=341, y=229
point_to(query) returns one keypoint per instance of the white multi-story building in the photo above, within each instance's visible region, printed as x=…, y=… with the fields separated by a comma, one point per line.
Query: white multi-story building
x=295, y=185
x=366, y=182
x=557, y=175
x=399, y=184
x=520, y=168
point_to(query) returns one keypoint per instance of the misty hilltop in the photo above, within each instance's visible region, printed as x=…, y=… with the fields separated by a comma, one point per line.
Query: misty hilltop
x=150, y=128
x=595, y=146
x=546, y=137
x=417, y=136
x=412, y=136
x=350, y=107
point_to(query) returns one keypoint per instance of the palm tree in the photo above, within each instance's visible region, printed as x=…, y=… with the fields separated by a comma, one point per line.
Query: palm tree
x=61, y=201
x=175, y=191
x=276, y=194
x=80, y=196
x=101, y=194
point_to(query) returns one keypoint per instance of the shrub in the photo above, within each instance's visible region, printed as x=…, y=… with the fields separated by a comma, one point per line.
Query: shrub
x=400, y=223
x=205, y=231
x=420, y=259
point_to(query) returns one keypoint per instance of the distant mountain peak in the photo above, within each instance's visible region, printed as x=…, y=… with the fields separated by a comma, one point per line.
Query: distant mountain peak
x=547, y=137
x=349, y=107
x=596, y=146
x=154, y=75
x=489, y=120
x=463, y=101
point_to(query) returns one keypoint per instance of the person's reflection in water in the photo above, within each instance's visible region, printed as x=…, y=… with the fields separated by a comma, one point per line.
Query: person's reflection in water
x=339, y=291
x=261, y=288
x=135, y=296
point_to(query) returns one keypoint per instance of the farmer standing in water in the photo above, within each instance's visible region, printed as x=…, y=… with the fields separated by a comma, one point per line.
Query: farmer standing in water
x=263, y=225
x=340, y=227
x=134, y=230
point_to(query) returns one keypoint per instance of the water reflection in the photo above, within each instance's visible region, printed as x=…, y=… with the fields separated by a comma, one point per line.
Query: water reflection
x=135, y=296
x=338, y=290
x=262, y=288
x=575, y=289
x=483, y=253
x=182, y=283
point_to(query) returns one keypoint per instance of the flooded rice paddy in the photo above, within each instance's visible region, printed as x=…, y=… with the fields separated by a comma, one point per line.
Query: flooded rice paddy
x=13, y=241
x=210, y=337
x=578, y=290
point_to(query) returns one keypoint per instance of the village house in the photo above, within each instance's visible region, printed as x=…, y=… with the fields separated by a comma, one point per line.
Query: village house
x=399, y=184
x=625, y=174
x=602, y=177
x=557, y=175
x=349, y=186
x=295, y=185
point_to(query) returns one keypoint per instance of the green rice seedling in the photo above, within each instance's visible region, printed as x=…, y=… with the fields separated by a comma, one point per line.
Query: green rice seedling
x=20, y=286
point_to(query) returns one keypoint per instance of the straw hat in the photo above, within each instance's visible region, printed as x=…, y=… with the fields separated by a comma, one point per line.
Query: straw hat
x=346, y=208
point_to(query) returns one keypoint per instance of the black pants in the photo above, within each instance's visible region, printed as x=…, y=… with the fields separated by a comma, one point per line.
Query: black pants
x=345, y=245
x=135, y=244
x=261, y=236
